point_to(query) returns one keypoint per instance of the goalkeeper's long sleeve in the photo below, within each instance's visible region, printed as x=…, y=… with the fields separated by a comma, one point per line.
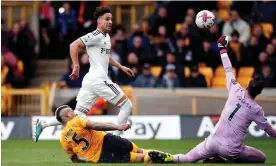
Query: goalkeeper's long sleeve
x=227, y=68
x=270, y=131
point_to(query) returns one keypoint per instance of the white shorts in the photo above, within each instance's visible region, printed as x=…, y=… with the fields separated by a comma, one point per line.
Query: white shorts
x=92, y=89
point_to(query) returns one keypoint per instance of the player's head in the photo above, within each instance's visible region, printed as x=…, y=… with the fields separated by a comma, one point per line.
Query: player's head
x=103, y=17
x=64, y=113
x=255, y=87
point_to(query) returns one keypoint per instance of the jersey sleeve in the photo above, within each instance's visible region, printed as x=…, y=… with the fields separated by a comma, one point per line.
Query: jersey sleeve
x=88, y=40
x=230, y=77
x=261, y=120
x=82, y=121
x=270, y=131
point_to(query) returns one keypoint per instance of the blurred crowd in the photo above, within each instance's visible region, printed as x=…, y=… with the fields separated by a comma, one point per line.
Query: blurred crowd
x=61, y=23
x=17, y=54
x=174, y=42
x=169, y=38
x=156, y=42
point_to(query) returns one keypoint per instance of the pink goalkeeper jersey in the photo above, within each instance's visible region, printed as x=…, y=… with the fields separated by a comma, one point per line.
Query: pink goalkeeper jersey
x=238, y=113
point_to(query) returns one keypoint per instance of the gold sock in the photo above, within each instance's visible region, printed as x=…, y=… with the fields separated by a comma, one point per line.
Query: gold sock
x=147, y=158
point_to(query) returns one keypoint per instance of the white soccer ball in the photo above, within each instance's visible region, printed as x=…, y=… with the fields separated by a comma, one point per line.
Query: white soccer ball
x=205, y=19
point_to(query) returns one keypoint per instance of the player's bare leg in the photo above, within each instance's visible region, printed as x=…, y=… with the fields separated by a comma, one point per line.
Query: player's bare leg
x=125, y=106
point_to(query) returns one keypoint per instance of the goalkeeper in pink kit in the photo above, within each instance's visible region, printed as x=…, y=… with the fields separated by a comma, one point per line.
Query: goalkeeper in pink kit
x=239, y=111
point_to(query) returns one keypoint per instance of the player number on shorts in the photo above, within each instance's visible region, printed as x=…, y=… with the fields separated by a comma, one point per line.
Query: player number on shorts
x=234, y=112
x=78, y=141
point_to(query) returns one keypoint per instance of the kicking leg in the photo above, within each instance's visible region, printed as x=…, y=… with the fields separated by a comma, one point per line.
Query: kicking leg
x=112, y=93
x=125, y=106
x=85, y=99
x=39, y=125
x=251, y=155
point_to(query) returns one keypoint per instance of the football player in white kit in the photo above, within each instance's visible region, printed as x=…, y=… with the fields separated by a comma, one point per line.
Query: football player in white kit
x=96, y=82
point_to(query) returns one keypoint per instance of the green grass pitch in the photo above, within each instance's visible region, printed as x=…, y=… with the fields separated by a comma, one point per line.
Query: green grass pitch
x=50, y=153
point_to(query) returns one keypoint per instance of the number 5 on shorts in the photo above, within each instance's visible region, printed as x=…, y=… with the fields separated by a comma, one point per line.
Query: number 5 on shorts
x=234, y=112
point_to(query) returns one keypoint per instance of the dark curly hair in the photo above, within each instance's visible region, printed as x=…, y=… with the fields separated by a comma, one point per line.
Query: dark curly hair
x=255, y=86
x=101, y=10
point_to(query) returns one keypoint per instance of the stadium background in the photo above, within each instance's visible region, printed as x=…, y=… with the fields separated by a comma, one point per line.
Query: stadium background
x=179, y=88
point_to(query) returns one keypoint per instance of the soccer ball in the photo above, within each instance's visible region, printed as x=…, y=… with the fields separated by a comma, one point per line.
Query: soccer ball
x=205, y=19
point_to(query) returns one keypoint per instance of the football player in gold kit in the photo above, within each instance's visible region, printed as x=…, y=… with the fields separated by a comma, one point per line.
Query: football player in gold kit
x=83, y=137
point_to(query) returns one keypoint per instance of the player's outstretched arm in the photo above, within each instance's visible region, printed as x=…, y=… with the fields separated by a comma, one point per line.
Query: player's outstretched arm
x=125, y=69
x=106, y=126
x=222, y=44
x=270, y=131
x=74, y=52
x=263, y=124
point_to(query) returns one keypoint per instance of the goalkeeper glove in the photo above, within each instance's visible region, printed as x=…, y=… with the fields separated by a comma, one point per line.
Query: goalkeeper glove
x=222, y=44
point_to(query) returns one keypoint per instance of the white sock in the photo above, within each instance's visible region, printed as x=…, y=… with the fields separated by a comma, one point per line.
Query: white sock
x=80, y=111
x=54, y=122
x=51, y=122
x=125, y=111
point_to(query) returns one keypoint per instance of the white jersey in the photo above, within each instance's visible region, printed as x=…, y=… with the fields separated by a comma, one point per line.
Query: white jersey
x=98, y=47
